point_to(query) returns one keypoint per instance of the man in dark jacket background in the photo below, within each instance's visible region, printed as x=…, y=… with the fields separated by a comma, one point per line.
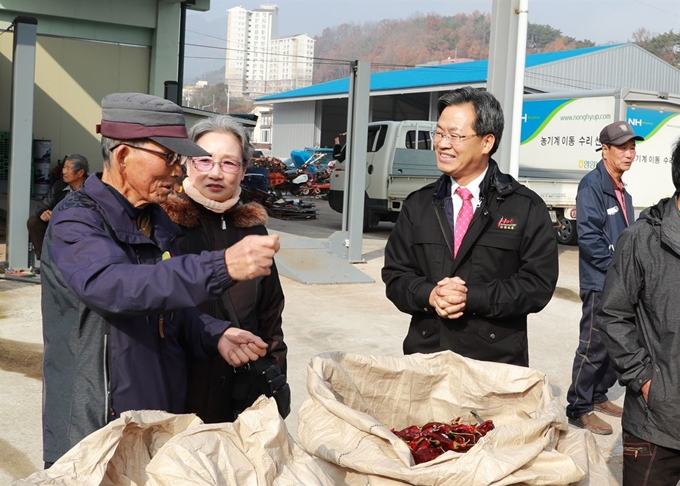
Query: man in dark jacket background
x=603, y=210
x=118, y=303
x=474, y=253
x=640, y=325
x=73, y=174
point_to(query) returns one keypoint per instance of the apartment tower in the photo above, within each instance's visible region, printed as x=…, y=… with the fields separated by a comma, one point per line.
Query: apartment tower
x=257, y=61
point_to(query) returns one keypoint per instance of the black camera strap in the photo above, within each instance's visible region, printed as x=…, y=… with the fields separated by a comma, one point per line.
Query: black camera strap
x=227, y=308
x=265, y=371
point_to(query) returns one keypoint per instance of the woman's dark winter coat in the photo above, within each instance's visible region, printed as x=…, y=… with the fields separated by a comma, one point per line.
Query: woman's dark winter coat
x=258, y=303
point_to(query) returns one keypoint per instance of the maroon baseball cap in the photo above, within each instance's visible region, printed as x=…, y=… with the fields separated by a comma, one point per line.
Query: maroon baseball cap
x=617, y=133
x=129, y=116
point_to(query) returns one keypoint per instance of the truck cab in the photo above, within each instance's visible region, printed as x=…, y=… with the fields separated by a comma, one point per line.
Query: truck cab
x=399, y=160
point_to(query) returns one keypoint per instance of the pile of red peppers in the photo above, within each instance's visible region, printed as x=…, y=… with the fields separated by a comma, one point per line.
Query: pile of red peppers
x=435, y=438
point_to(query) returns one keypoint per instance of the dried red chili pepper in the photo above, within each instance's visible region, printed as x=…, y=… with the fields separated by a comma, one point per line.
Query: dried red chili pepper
x=426, y=455
x=409, y=432
x=485, y=427
x=434, y=438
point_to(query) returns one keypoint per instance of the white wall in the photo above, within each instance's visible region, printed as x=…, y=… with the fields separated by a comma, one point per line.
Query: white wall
x=294, y=127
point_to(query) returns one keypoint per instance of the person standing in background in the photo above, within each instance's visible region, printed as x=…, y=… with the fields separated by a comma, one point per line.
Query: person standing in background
x=73, y=174
x=603, y=210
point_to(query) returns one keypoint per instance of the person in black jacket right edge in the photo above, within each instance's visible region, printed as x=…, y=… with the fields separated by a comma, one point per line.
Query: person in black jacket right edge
x=639, y=320
x=474, y=253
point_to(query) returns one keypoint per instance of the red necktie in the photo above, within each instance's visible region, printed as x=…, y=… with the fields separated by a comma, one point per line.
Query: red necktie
x=463, y=219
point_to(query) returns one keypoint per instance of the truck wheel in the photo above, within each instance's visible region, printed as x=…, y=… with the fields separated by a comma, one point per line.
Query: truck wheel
x=371, y=219
x=566, y=234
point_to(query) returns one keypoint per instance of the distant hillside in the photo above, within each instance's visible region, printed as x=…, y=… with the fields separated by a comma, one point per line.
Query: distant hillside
x=394, y=44
x=212, y=77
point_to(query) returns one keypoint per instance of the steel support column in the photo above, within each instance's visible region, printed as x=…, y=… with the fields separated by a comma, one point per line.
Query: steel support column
x=21, y=140
x=507, y=56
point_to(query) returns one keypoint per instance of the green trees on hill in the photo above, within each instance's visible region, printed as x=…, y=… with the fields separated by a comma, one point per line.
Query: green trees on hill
x=666, y=46
x=215, y=98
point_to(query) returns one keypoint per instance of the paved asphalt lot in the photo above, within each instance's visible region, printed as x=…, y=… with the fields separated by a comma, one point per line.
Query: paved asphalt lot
x=317, y=318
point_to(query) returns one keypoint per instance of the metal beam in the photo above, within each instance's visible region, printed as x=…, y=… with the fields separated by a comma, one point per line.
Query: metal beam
x=21, y=140
x=357, y=139
x=507, y=57
x=165, y=48
x=180, y=61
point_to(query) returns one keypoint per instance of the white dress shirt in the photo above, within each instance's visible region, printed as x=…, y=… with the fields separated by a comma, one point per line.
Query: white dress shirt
x=474, y=189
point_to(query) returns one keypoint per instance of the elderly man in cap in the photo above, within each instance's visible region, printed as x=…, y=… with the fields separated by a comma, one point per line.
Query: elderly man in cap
x=603, y=210
x=118, y=303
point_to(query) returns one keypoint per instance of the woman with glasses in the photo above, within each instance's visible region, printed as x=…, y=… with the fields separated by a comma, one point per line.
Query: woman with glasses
x=212, y=216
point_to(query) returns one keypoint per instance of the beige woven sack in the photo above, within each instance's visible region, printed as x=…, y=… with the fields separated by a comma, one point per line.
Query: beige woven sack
x=160, y=449
x=354, y=401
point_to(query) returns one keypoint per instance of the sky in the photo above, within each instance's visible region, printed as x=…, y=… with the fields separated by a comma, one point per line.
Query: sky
x=601, y=21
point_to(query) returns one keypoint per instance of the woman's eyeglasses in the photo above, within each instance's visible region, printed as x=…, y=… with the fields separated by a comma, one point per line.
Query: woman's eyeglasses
x=205, y=164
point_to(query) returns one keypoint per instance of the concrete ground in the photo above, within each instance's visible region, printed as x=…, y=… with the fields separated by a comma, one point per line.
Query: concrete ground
x=317, y=318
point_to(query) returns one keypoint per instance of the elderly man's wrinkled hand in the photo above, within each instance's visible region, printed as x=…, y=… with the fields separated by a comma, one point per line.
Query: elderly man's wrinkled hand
x=449, y=297
x=251, y=257
x=238, y=346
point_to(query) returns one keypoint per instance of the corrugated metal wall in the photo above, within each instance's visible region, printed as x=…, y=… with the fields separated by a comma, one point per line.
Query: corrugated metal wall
x=294, y=127
x=628, y=66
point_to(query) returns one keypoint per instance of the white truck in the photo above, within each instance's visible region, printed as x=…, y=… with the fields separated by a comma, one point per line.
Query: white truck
x=399, y=160
x=558, y=141
x=560, y=133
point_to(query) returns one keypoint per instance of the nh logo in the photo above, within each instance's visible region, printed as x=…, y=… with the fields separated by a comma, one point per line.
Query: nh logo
x=635, y=122
x=525, y=118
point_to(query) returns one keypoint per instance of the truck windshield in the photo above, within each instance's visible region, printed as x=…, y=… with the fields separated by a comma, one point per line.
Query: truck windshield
x=376, y=138
x=419, y=140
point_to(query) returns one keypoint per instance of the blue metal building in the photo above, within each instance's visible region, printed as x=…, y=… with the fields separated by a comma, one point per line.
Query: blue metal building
x=314, y=115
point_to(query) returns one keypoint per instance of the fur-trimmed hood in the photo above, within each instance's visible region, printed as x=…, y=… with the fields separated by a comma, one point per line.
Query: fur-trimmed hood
x=184, y=211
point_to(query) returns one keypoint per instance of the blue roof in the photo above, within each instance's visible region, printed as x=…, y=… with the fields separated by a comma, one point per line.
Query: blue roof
x=460, y=73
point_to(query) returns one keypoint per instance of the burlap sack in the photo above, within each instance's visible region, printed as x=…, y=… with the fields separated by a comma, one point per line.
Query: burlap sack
x=117, y=454
x=354, y=401
x=254, y=450
x=160, y=449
